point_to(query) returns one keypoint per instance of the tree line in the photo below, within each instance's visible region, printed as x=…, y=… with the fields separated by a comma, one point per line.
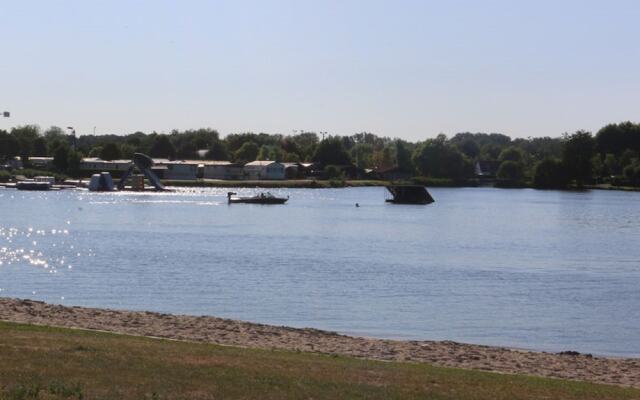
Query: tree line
x=611, y=155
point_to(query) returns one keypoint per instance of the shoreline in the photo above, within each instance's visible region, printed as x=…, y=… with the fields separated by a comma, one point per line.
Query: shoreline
x=228, y=332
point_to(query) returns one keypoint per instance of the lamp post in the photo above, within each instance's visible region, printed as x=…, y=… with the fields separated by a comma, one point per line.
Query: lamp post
x=73, y=133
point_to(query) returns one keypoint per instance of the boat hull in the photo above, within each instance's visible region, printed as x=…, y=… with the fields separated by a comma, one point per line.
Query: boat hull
x=258, y=201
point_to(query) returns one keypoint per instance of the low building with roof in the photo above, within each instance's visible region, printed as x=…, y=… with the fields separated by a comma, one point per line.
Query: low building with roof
x=257, y=170
x=223, y=170
x=177, y=169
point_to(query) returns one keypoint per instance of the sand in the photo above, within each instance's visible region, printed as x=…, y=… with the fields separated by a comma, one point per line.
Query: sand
x=584, y=367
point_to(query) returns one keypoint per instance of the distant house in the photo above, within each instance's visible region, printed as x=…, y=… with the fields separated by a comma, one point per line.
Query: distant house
x=178, y=170
x=223, y=170
x=264, y=170
x=486, y=169
x=295, y=170
x=41, y=162
x=94, y=164
x=14, y=163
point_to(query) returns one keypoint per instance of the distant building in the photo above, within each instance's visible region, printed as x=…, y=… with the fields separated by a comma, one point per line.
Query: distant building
x=14, y=163
x=95, y=164
x=177, y=170
x=258, y=170
x=223, y=170
x=41, y=162
x=486, y=169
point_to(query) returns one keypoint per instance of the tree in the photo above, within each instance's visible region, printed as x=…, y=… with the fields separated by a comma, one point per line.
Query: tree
x=26, y=135
x=61, y=157
x=9, y=146
x=470, y=148
x=511, y=170
x=331, y=152
x=611, y=165
x=511, y=153
x=186, y=150
x=550, y=173
x=162, y=148
x=95, y=151
x=74, y=159
x=362, y=153
x=218, y=151
x=39, y=147
x=577, y=154
x=247, y=152
x=110, y=151
x=403, y=157
x=127, y=151
x=438, y=159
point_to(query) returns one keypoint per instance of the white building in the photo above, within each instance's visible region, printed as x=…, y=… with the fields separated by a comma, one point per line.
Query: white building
x=178, y=170
x=223, y=170
x=99, y=165
x=41, y=162
x=257, y=170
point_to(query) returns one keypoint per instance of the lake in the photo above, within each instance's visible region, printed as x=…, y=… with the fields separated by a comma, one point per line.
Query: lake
x=543, y=270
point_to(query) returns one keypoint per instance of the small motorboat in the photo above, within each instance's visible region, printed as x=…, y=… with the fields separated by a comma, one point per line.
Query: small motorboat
x=262, y=198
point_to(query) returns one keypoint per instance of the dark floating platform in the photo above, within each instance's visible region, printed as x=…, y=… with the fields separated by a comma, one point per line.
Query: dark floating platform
x=409, y=194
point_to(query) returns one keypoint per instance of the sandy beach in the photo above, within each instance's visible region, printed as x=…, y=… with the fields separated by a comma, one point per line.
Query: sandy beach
x=617, y=371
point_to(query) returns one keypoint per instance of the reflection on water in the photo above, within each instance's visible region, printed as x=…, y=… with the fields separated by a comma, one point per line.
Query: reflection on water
x=536, y=269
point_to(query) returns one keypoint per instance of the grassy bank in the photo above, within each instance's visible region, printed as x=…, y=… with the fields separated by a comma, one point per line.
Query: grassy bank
x=55, y=363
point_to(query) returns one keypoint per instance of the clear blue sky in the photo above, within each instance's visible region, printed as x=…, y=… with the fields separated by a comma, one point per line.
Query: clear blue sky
x=409, y=69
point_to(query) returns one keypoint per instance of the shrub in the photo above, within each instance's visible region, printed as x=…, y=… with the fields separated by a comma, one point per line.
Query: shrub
x=550, y=174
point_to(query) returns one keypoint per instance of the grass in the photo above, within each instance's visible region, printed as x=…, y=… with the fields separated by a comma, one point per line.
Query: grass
x=54, y=363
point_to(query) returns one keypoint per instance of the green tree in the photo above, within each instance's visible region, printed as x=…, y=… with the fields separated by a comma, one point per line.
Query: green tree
x=61, y=157
x=331, y=151
x=162, y=148
x=272, y=153
x=550, y=173
x=39, y=147
x=218, y=151
x=186, y=150
x=9, y=146
x=597, y=165
x=511, y=170
x=470, y=148
x=438, y=159
x=577, y=154
x=74, y=159
x=127, y=151
x=611, y=165
x=110, y=151
x=26, y=135
x=511, y=153
x=403, y=157
x=247, y=152
x=95, y=151
x=362, y=153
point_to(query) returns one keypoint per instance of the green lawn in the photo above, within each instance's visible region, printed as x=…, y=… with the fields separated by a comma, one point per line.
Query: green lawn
x=55, y=363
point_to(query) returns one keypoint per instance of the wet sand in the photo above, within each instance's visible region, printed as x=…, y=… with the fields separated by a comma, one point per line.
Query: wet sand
x=617, y=371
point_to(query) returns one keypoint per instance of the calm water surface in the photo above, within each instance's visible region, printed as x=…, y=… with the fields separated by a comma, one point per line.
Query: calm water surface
x=543, y=270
